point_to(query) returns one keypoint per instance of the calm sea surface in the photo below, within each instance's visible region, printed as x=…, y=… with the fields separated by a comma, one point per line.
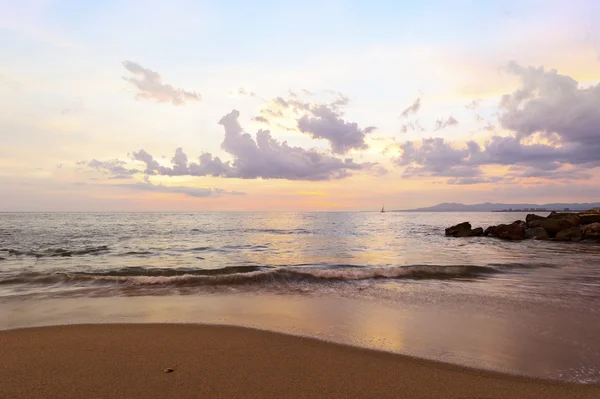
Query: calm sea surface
x=391, y=281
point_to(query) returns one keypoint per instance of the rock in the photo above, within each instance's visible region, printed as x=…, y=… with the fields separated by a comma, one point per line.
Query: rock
x=537, y=233
x=591, y=231
x=570, y=234
x=1, y=258
x=590, y=216
x=477, y=232
x=460, y=230
x=487, y=231
x=514, y=231
x=531, y=217
x=168, y=370
x=552, y=226
x=571, y=218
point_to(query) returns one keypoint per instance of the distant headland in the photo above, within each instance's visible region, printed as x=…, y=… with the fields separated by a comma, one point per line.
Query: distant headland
x=500, y=207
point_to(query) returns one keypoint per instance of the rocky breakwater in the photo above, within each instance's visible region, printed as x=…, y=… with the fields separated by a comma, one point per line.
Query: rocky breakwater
x=555, y=227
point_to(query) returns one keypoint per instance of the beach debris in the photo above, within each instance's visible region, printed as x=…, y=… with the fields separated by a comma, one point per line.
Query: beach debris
x=168, y=370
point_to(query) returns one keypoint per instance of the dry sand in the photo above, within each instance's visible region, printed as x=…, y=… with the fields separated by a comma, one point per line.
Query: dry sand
x=127, y=361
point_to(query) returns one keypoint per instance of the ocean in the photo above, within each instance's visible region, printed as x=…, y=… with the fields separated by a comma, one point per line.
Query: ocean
x=388, y=281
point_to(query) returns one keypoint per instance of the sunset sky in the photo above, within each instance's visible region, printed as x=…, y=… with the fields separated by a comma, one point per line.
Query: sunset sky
x=314, y=105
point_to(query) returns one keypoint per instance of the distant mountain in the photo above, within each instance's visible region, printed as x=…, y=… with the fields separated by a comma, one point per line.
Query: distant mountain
x=489, y=207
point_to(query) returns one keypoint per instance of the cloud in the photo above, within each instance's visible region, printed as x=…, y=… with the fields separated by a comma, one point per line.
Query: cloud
x=435, y=157
x=261, y=119
x=253, y=157
x=442, y=124
x=270, y=113
x=149, y=86
x=327, y=124
x=474, y=180
x=473, y=104
x=319, y=121
x=489, y=127
x=413, y=109
x=114, y=167
x=243, y=92
x=555, y=126
x=267, y=158
x=411, y=127
x=554, y=105
x=189, y=191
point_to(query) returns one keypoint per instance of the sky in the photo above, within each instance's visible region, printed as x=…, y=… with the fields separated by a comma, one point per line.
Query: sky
x=332, y=105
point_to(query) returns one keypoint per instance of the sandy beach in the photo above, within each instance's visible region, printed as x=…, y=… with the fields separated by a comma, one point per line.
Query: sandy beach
x=129, y=360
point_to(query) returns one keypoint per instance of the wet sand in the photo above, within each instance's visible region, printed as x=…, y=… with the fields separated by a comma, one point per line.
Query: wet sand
x=128, y=361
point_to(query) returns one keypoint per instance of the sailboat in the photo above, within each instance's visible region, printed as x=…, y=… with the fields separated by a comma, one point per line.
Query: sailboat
x=382, y=210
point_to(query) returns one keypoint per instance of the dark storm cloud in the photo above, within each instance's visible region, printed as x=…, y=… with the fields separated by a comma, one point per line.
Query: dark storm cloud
x=149, y=85
x=412, y=109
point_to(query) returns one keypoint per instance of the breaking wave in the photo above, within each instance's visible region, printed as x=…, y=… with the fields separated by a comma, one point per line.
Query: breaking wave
x=239, y=275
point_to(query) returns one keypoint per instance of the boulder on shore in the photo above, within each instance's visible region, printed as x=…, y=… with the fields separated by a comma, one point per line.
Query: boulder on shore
x=570, y=234
x=460, y=230
x=477, y=232
x=558, y=226
x=537, y=233
x=531, y=217
x=552, y=226
x=514, y=231
x=590, y=216
x=464, y=230
x=591, y=231
x=572, y=218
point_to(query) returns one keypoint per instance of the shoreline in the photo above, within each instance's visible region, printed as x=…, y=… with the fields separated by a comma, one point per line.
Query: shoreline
x=127, y=360
x=508, y=343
